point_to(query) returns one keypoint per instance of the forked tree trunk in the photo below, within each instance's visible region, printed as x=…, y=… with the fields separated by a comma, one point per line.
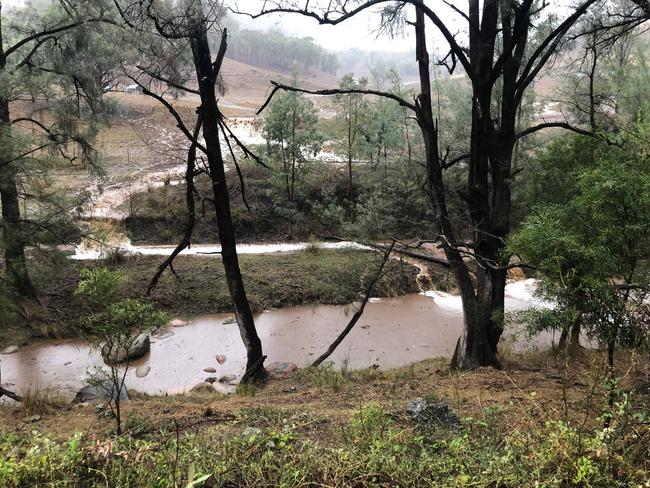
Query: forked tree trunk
x=474, y=348
x=206, y=75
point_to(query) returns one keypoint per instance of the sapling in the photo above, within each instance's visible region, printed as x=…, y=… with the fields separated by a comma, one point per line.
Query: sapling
x=116, y=330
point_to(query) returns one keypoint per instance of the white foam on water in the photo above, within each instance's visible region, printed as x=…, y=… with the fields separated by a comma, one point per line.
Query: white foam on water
x=82, y=253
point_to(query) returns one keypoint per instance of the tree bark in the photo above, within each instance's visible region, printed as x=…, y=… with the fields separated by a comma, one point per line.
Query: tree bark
x=13, y=240
x=206, y=76
x=473, y=349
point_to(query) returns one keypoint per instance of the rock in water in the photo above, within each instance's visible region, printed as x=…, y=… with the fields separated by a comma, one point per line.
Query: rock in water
x=177, y=323
x=220, y=358
x=10, y=350
x=118, y=354
x=211, y=379
x=431, y=415
x=210, y=370
x=142, y=371
x=281, y=370
x=227, y=378
x=102, y=391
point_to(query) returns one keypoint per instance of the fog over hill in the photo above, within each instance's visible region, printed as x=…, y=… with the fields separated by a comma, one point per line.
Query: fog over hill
x=275, y=49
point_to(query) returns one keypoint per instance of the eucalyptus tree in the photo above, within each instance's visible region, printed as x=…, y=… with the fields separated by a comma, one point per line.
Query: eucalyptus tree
x=384, y=131
x=36, y=97
x=290, y=128
x=352, y=116
x=506, y=47
x=172, y=39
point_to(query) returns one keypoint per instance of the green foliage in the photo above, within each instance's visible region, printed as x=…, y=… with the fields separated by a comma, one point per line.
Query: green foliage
x=115, y=331
x=598, y=238
x=100, y=285
x=274, y=50
x=291, y=131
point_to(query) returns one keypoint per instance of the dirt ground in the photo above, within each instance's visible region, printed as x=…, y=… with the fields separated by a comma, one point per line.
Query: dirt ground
x=532, y=388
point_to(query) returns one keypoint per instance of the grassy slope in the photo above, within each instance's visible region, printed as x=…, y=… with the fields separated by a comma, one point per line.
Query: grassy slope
x=534, y=423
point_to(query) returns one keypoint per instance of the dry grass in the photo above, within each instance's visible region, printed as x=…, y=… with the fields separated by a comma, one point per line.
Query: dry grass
x=41, y=402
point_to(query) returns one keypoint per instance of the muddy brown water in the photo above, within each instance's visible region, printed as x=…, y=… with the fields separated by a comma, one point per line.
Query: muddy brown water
x=392, y=332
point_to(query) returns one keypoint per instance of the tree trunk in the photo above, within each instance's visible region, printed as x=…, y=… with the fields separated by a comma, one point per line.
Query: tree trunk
x=206, y=76
x=473, y=349
x=13, y=240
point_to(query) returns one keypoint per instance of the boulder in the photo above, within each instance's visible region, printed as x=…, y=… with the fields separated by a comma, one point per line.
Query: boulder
x=100, y=392
x=220, y=358
x=142, y=371
x=281, y=370
x=430, y=415
x=118, y=354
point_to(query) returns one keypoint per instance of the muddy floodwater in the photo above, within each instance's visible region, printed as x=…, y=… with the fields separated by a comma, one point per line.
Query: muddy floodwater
x=392, y=332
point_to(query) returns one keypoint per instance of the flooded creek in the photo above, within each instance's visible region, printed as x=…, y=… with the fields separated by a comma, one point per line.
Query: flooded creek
x=392, y=332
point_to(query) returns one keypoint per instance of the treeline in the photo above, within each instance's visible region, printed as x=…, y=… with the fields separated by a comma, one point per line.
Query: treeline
x=277, y=51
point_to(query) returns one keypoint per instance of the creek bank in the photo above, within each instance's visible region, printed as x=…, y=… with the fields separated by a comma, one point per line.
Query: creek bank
x=272, y=281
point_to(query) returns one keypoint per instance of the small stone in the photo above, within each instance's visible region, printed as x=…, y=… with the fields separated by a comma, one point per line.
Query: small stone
x=202, y=387
x=142, y=371
x=178, y=323
x=220, y=358
x=210, y=370
x=430, y=415
x=251, y=431
x=33, y=418
x=211, y=379
x=10, y=350
x=230, y=320
x=227, y=378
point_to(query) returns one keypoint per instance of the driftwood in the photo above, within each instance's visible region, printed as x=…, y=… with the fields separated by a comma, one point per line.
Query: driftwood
x=10, y=394
x=357, y=315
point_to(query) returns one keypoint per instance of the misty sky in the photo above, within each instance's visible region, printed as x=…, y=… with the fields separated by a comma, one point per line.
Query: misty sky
x=358, y=31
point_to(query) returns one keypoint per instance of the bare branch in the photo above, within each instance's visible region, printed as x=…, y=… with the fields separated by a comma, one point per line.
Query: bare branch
x=357, y=315
x=189, y=225
x=333, y=91
x=331, y=16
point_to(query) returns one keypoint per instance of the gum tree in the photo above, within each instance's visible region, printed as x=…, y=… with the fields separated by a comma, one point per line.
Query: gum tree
x=507, y=45
x=176, y=54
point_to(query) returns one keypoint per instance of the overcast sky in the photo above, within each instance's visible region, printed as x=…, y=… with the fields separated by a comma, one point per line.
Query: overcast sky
x=359, y=31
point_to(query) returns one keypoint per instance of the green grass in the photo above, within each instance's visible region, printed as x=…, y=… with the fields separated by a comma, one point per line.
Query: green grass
x=373, y=448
